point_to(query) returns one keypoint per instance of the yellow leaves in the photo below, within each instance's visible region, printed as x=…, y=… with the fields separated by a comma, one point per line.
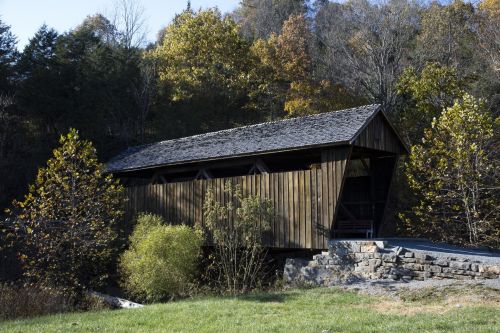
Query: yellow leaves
x=449, y=164
x=358, y=42
x=201, y=50
x=492, y=7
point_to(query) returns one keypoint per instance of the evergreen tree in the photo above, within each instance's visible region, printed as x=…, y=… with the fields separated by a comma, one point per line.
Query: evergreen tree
x=8, y=57
x=68, y=221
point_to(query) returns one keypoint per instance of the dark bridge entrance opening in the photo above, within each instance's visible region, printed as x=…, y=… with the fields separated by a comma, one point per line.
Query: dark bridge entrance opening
x=364, y=196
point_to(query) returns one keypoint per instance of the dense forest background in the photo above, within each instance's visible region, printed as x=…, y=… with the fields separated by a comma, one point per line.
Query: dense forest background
x=267, y=60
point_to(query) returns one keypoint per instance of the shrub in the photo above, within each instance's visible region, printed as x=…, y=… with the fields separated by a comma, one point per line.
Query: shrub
x=162, y=259
x=67, y=223
x=237, y=228
x=30, y=301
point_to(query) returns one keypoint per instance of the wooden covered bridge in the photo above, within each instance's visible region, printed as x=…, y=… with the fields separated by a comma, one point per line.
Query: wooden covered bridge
x=327, y=175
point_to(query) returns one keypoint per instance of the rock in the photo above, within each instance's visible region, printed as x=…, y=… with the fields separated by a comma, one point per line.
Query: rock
x=398, y=250
x=433, y=268
x=369, y=248
x=409, y=260
x=409, y=254
x=422, y=256
x=493, y=269
x=441, y=262
x=459, y=265
x=414, y=267
x=116, y=301
x=400, y=271
x=389, y=257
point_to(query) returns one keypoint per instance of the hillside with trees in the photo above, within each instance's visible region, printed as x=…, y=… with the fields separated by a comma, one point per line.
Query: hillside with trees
x=264, y=61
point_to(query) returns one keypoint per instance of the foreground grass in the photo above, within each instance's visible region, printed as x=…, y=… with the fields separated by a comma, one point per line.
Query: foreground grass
x=313, y=310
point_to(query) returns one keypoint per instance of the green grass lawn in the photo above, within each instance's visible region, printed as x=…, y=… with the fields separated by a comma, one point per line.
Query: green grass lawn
x=312, y=310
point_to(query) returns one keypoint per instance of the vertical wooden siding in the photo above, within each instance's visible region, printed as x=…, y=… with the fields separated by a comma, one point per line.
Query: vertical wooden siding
x=380, y=136
x=304, y=201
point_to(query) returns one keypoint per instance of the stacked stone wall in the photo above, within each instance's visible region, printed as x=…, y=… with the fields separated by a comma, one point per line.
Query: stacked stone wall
x=354, y=260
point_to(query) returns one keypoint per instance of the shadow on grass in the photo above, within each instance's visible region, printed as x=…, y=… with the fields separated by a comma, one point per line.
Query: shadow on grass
x=270, y=297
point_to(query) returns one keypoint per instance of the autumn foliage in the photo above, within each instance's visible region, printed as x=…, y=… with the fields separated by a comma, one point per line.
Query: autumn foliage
x=454, y=174
x=67, y=224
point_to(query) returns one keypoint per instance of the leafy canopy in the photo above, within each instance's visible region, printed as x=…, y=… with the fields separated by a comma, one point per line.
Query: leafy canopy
x=285, y=74
x=424, y=95
x=67, y=222
x=453, y=173
x=202, y=52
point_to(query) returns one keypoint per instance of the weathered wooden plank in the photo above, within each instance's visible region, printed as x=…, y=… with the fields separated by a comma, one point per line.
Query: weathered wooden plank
x=324, y=197
x=314, y=209
x=279, y=210
x=302, y=209
x=380, y=136
x=266, y=193
x=296, y=209
x=331, y=187
x=179, y=203
x=275, y=191
x=286, y=210
x=307, y=212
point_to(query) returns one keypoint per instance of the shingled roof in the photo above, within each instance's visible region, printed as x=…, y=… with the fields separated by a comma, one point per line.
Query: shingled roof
x=332, y=128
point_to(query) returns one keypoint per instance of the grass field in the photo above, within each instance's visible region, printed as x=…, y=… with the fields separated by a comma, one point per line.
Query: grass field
x=306, y=310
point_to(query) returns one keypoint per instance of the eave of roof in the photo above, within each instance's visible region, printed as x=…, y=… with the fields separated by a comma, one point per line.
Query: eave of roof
x=235, y=156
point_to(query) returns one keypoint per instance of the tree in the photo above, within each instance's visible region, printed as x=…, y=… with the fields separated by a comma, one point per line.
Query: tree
x=423, y=97
x=39, y=92
x=128, y=18
x=446, y=35
x=460, y=35
x=365, y=46
x=488, y=32
x=258, y=19
x=100, y=78
x=8, y=57
x=68, y=221
x=237, y=228
x=12, y=131
x=202, y=59
x=454, y=173
x=285, y=75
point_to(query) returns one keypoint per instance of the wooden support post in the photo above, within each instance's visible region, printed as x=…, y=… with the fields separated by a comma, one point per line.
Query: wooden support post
x=261, y=166
x=351, y=216
x=204, y=174
x=258, y=167
x=372, y=188
x=163, y=179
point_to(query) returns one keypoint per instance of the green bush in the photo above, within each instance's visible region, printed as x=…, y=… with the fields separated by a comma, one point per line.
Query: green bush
x=162, y=259
x=237, y=227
